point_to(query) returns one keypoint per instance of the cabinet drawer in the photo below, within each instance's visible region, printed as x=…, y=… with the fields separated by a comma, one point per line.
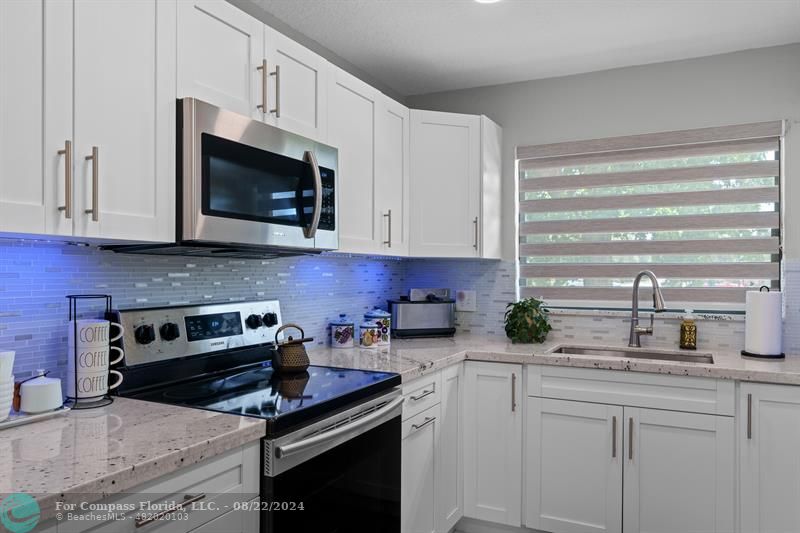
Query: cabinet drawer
x=421, y=394
x=427, y=417
x=670, y=392
x=224, y=480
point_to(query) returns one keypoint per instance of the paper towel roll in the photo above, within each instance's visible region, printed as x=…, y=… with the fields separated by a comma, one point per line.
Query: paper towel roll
x=763, y=333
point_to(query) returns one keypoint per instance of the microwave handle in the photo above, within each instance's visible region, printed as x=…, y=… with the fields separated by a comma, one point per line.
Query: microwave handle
x=311, y=230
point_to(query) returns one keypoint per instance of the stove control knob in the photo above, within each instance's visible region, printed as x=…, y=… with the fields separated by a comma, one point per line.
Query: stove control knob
x=253, y=321
x=145, y=334
x=270, y=319
x=169, y=331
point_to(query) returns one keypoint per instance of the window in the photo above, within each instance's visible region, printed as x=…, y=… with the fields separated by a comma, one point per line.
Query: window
x=700, y=208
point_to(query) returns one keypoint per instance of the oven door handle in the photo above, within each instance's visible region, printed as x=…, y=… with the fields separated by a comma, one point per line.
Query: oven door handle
x=310, y=231
x=299, y=446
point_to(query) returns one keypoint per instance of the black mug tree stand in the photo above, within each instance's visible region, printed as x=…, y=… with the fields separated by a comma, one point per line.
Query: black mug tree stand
x=73, y=401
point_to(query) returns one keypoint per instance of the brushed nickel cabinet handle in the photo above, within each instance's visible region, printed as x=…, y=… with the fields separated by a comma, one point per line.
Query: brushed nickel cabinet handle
x=428, y=420
x=95, y=159
x=423, y=395
x=67, y=153
x=749, y=416
x=613, y=436
x=513, y=392
x=630, y=439
x=277, y=75
x=475, y=223
x=388, y=216
x=263, y=68
x=187, y=500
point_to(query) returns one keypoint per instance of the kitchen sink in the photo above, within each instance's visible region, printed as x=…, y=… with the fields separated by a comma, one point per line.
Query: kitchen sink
x=626, y=353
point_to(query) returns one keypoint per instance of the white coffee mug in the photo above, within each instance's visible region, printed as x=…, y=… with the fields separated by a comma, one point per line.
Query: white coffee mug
x=94, y=332
x=91, y=384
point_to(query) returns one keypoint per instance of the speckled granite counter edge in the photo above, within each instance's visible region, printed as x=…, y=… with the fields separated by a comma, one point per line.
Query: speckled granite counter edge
x=152, y=469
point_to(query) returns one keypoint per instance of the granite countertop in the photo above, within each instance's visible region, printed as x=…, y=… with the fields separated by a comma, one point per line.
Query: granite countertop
x=97, y=452
x=413, y=358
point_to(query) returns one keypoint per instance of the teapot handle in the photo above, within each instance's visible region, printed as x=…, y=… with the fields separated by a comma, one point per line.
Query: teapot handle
x=287, y=326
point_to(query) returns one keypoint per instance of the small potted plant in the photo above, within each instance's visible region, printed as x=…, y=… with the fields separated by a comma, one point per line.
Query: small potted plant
x=527, y=321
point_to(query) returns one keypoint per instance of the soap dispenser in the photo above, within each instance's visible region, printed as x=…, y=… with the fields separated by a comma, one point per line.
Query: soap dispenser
x=688, y=332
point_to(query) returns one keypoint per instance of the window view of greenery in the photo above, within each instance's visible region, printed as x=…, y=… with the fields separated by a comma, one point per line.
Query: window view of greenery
x=639, y=200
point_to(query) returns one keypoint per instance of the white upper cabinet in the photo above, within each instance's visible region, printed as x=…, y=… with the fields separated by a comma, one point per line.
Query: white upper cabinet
x=491, y=219
x=574, y=460
x=36, y=118
x=124, y=79
x=445, y=184
x=220, y=51
x=493, y=442
x=296, y=87
x=678, y=472
x=352, y=109
x=392, y=146
x=769, y=470
x=88, y=79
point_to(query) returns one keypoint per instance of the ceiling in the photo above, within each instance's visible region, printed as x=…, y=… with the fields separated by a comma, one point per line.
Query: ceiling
x=422, y=46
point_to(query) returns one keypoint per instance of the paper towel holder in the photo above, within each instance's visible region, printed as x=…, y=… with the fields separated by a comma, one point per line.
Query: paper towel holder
x=758, y=355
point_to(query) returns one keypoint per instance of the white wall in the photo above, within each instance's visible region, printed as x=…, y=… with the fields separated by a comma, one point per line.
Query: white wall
x=748, y=86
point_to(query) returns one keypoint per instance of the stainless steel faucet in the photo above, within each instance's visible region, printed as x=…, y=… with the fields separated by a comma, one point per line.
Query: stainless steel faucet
x=658, y=304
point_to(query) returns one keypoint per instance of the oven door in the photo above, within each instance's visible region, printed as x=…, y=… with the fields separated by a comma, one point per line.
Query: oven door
x=245, y=182
x=353, y=485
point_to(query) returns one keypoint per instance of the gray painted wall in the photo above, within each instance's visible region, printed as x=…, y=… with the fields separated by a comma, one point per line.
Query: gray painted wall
x=748, y=86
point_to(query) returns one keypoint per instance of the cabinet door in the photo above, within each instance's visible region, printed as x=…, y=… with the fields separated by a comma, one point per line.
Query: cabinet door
x=351, y=128
x=445, y=184
x=297, y=93
x=420, y=436
x=574, y=462
x=220, y=49
x=492, y=442
x=769, y=463
x=678, y=472
x=125, y=114
x=391, y=177
x=33, y=174
x=491, y=218
x=450, y=476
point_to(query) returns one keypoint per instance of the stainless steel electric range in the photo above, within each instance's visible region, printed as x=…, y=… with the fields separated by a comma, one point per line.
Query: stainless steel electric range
x=333, y=434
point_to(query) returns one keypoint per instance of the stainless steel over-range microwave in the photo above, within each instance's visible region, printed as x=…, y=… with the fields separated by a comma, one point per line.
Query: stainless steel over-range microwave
x=248, y=189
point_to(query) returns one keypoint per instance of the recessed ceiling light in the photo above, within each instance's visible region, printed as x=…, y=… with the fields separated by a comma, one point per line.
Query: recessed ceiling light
x=487, y=1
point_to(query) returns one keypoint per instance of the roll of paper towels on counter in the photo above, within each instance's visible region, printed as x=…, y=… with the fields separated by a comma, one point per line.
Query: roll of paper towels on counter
x=763, y=333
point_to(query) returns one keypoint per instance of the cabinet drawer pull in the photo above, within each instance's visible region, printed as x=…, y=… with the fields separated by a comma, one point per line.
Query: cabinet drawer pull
x=67, y=153
x=421, y=396
x=263, y=68
x=513, y=392
x=428, y=420
x=630, y=439
x=388, y=216
x=475, y=223
x=95, y=159
x=613, y=436
x=277, y=75
x=749, y=416
x=188, y=499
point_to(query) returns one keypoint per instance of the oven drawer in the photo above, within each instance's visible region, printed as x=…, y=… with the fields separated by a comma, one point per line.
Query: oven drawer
x=421, y=394
x=216, y=484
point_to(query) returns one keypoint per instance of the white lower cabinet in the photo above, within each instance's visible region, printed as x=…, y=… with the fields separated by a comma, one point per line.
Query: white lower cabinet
x=493, y=442
x=574, y=459
x=678, y=472
x=432, y=471
x=769, y=462
x=216, y=484
x=419, y=464
x=450, y=467
x=593, y=467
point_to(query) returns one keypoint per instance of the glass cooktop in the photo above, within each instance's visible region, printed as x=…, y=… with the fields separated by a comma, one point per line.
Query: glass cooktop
x=284, y=400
